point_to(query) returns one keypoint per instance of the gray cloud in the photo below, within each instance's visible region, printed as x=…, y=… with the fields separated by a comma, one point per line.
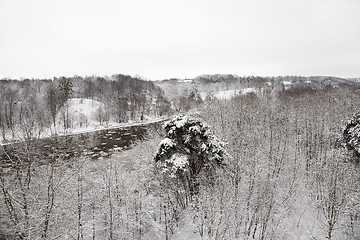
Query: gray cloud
x=161, y=39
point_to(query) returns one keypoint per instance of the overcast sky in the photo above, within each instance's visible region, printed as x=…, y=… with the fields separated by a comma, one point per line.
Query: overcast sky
x=158, y=39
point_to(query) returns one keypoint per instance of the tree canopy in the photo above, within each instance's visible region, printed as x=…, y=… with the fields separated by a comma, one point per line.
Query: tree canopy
x=188, y=148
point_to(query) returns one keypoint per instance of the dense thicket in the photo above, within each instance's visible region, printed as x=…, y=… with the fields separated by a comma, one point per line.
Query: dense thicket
x=291, y=177
x=288, y=177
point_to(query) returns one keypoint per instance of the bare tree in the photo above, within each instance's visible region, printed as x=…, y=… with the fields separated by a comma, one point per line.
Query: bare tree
x=53, y=102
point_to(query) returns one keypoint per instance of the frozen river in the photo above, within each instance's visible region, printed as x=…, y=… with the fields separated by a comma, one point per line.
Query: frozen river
x=100, y=143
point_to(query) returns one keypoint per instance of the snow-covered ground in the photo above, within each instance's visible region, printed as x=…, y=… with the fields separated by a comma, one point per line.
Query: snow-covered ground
x=81, y=109
x=227, y=94
x=82, y=113
x=185, y=81
x=287, y=83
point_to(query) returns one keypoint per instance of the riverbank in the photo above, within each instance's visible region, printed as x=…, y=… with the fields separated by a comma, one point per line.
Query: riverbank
x=94, y=144
x=50, y=133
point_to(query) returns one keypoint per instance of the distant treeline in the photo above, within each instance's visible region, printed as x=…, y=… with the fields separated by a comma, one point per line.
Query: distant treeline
x=30, y=104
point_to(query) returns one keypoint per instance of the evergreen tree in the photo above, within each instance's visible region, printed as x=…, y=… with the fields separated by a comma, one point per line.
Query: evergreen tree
x=189, y=148
x=351, y=136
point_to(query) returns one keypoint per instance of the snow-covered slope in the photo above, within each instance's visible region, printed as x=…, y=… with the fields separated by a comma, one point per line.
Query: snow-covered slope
x=84, y=116
x=81, y=113
x=227, y=94
x=88, y=107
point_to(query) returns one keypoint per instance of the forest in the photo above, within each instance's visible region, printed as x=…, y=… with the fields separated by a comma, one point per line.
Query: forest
x=279, y=162
x=44, y=104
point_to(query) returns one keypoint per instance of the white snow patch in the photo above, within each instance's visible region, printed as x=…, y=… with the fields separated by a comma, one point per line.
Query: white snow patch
x=180, y=123
x=227, y=94
x=203, y=147
x=82, y=115
x=174, y=164
x=203, y=95
x=179, y=161
x=85, y=106
x=167, y=142
x=287, y=83
x=185, y=81
x=195, y=129
x=248, y=90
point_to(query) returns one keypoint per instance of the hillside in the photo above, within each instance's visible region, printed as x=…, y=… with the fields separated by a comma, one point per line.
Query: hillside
x=219, y=85
x=31, y=107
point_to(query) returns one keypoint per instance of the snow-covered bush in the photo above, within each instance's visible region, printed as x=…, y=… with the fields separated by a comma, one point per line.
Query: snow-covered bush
x=188, y=149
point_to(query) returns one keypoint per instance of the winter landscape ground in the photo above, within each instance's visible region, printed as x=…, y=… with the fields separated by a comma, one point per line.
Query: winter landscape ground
x=180, y=120
x=234, y=158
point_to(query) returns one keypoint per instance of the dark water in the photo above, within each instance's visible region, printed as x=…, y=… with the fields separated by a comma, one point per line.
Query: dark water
x=94, y=144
